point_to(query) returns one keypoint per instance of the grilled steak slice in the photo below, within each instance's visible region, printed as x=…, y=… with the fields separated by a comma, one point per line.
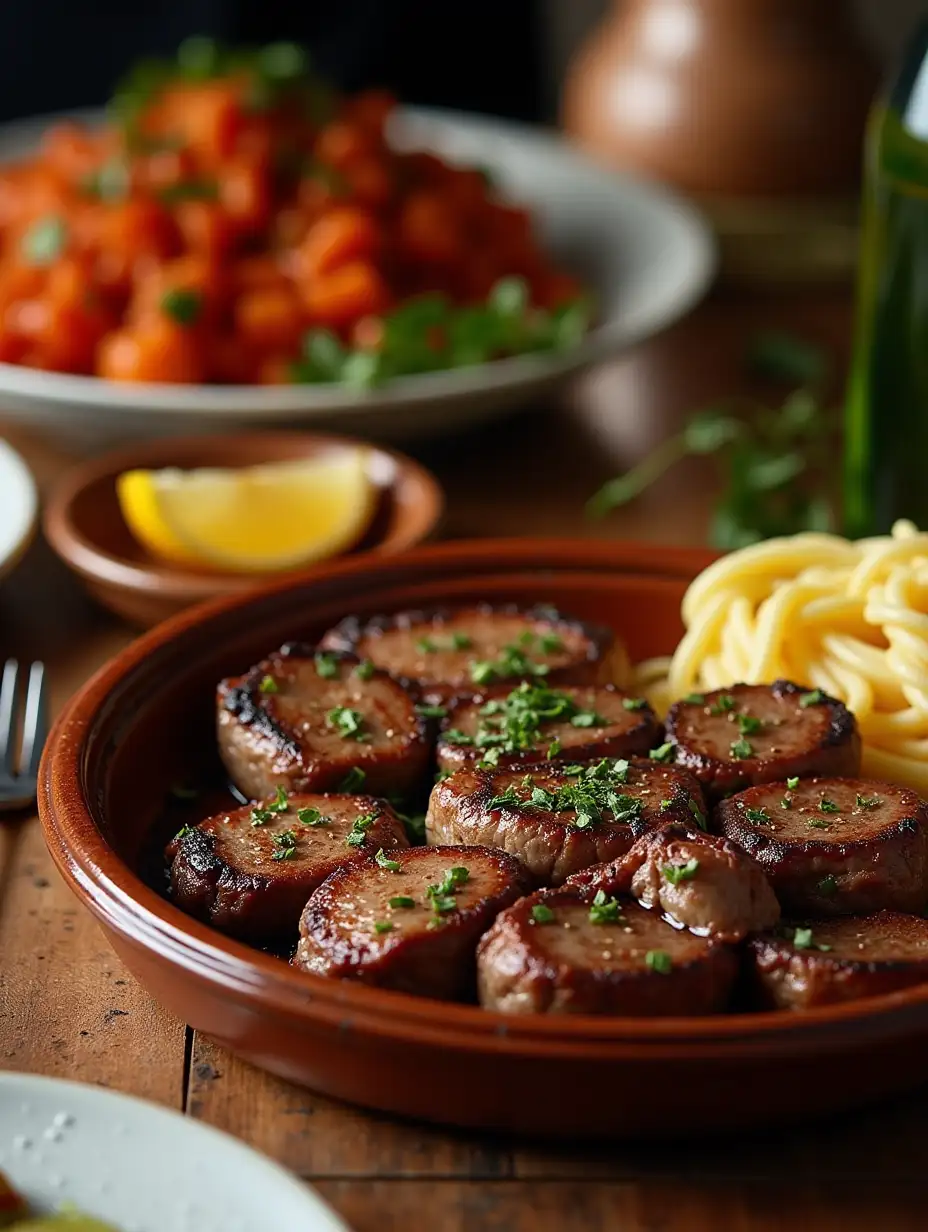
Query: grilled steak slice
x=250, y=871
x=823, y=962
x=731, y=738
x=575, y=950
x=560, y=819
x=447, y=655
x=834, y=846
x=409, y=921
x=700, y=882
x=306, y=720
x=533, y=722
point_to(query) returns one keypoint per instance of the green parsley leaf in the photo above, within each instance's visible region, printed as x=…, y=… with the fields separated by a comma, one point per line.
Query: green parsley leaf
x=828, y=806
x=748, y=725
x=482, y=672
x=311, y=817
x=665, y=753
x=460, y=641
x=348, y=723
x=694, y=699
x=620, y=770
x=722, y=704
x=358, y=832
x=402, y=900
x=634, y=703
x=183, y=305
x=508, y=798
x=866, y=802
x=383, y=926
x=326, y=665
x=268, y=685
x=741, y=749
x=605, y=910
x=45, y=241
x=425, y=645
x=364, y=670
x=432, y=712
x=587, y=718
x=443, y=904
x=666, y=804
x=786, y=802
x=392, y=866
x=183, y=832
x=260, y=816
x=793, y=783
x=659, y=961
x=802, y=938
x=759, y=816
x=550, y=643
x=542, y=914
x=354, y=780
x=811, y=699
x=489, y=761
x=816, y=823
x=554, y=748
x=698, y=815
x=675, y=873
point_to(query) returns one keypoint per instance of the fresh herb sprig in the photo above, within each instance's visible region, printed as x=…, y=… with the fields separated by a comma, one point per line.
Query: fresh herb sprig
x=776, y=462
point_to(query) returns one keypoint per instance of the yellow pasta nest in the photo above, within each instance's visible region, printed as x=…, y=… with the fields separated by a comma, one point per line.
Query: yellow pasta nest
x=849, y=618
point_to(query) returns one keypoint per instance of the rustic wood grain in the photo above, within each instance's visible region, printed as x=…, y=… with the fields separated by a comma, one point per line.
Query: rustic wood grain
x=68, y=1008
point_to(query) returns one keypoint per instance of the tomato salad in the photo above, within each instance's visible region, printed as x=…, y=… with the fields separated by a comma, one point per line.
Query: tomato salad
x=237, y=221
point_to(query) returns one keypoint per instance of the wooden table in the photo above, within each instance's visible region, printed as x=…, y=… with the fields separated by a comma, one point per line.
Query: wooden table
x=67, y=1007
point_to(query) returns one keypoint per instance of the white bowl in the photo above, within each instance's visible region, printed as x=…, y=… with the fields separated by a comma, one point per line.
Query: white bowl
x=141, y=1167
x=648, y=256
x=18, y=507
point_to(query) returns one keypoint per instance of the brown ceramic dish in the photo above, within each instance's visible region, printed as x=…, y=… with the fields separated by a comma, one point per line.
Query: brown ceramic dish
x=145, y=721
x=85, y=527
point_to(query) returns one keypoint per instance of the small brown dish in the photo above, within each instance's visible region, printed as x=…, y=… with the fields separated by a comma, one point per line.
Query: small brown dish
x=145, y=722
x=84, y=525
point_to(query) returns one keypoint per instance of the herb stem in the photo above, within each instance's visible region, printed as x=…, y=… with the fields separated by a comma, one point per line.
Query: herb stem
x=626, y=487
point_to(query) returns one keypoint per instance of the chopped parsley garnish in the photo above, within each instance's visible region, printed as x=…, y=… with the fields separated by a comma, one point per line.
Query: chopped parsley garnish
x=45, y=241
x=364, y=670
x=182, y=304
x=453, y=878
x=786, y=802
x=511, y=661
x=516, y=722
x=358, y=832
x=326, y=665
x=828, y=806
x=509, y=796
x=392, y=866
x=347, y=722
x=816, y=823
x=802, y=940
x=666, y=804
x=587, y=718
x=811, y=699
x=868, y=802
x=383, y=926
x=593, y=793
x=402, y=900
x=665, y=753
x=828, y=886
x=442, y=896
x=284, y=845
x=634, y=703
x=675, y=873
x=268, y=685
x=694, y=699
x=460, y=641
x=550, y=643
x=432, y=712
x=261, y=816
x=489, y=761
x=542, y=914
x=722, y=704
x=698, y=815
x=793, y=783
x=605, y=910
x=183, y=832
x=311, y=817
x=759, y=816
x=354, y=780
x=659, y=961
x=426, y=646
x=554, y=748
x=740, y=749
x=454, y=735
x=620, y=770
x=748, y=725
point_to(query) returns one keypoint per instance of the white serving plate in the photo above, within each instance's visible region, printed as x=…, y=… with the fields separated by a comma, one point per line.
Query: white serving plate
x=141, y=1167
x=648, y=256
x=18, y=507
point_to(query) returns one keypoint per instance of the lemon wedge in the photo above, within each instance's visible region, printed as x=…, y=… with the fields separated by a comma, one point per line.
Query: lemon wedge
x=256, y=519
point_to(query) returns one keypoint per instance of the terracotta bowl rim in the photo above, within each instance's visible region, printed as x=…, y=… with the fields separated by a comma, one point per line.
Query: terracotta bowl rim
x=94, y=563
x=109, y=888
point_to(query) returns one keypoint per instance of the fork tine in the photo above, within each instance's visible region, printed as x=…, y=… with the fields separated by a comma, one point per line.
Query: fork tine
x=34, y=721
x=8, y=715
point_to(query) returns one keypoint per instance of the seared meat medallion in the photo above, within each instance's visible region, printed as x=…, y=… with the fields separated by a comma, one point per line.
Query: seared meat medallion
x=250, y=871
x=834, y=846
x=560, y=819
x=408, y=920
x=578, y=950
x=533, y=722
x=311, y=720
x=447, y=655
x=731, y=738
x=823, y=962
x=700, y=882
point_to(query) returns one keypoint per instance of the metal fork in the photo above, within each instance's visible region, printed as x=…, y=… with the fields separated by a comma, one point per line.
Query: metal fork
x=23, y=729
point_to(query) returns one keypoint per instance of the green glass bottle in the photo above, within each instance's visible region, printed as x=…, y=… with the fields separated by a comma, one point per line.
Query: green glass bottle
x=886, y=423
